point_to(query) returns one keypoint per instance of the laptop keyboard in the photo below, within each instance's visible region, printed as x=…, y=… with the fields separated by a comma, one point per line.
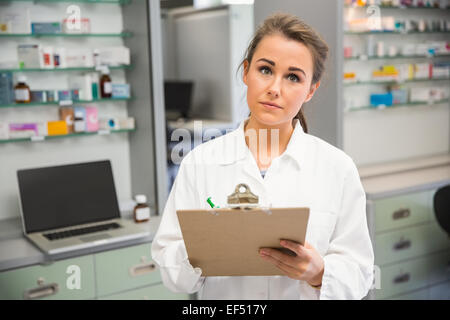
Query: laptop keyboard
x=76, y=232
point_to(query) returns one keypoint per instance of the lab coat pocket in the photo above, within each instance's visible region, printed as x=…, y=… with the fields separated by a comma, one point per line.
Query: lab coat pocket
x=320, y=229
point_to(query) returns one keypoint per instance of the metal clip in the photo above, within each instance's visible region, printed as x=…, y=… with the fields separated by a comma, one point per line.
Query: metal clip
x=242, y=199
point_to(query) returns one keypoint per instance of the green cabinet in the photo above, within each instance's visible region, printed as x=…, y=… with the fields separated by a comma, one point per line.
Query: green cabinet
x=67, y=279
x=124, y=269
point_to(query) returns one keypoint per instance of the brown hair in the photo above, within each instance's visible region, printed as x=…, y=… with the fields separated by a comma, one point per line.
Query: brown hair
x=293, y=29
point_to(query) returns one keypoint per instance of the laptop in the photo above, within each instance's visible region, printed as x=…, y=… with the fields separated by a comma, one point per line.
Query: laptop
x=178, y=98
x=72, y=207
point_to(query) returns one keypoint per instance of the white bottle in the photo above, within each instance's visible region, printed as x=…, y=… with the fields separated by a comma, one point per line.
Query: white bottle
x=141, y=210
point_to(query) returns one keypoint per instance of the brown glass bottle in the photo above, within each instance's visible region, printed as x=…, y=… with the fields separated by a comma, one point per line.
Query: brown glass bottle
x=141, y=210
x=22, y=91
x=105, y=84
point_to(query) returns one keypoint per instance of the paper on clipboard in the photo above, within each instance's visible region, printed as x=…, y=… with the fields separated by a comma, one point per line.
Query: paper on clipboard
x=226, y=242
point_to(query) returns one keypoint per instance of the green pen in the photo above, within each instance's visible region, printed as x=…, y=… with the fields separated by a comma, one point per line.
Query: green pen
x=211, y=203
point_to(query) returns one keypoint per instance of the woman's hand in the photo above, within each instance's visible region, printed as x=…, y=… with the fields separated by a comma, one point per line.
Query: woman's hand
x=307, y=265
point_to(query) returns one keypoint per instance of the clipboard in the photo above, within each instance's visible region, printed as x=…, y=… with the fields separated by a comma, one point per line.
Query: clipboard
x=226, y=242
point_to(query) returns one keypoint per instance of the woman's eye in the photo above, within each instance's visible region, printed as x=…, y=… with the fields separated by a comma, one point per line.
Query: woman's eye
x=293, y=77
x=265, y=70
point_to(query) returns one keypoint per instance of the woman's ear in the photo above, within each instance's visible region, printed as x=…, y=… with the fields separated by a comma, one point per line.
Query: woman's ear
x=244, y=76
x=313, y=89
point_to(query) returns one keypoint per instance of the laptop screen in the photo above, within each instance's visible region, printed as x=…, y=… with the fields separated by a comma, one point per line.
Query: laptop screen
x=67, y=195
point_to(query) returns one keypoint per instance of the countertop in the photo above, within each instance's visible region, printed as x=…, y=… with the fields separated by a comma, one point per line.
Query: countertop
x=415, y=175
x=16, y=251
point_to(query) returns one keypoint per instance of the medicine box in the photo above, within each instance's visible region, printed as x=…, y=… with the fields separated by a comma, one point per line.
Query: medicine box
x=67, y=114
x=385, y=99
x=120, y=90
x=38, y=96
x=30, y=56
x=73, y=25
x=22, y=130
x=92, y=124
x=56, y=128
x=45, y=27
x=6, y=88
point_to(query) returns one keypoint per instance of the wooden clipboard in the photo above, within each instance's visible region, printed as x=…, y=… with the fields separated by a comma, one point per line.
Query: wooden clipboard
x=226, y=242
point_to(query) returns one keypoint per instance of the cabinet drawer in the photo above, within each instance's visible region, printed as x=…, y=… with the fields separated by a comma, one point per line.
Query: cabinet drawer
x=124, y=269
x=401, y=278
x=440, y=292
x=408, y=243
x=409, y=275
x=55, y=281
x=402, y=211
x=155, y=292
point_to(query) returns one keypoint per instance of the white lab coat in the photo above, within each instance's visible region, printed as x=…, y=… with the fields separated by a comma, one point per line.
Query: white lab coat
x=310, y=173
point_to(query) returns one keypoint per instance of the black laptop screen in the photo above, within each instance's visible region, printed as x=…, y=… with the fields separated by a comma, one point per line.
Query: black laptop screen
x=62, y=196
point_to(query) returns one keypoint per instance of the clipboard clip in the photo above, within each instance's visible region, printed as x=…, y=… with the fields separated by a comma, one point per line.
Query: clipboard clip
x=242, y=198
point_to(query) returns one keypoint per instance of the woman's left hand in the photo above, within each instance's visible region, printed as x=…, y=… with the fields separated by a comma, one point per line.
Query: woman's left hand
x=307, y=265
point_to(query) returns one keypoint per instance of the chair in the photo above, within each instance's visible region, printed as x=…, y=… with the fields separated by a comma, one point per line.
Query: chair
x=441, y=205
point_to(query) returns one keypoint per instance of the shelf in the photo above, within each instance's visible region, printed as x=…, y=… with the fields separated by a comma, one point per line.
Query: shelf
x=81, y=134
x=393, y=32
x=397, y=57
x=57, y=103
x=393, y=82
x=395, y=7
x=74, y=1
x=66, y=35
x=84, y=69
x=409, y=104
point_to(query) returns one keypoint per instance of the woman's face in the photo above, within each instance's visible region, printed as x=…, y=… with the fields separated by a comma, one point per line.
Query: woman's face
x=278, y=80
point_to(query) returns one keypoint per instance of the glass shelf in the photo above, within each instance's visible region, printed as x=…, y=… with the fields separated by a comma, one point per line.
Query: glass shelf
x=393, y=82
x=396, y=57
x=34, y=139
x=393, y=32
x=65, y=35
x=75, y=1
x=86, y=69
x=396, y=7
x=409, y=104
x=57, y=103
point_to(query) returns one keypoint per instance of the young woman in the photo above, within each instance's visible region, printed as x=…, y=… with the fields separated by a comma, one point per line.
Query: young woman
x=272, y=152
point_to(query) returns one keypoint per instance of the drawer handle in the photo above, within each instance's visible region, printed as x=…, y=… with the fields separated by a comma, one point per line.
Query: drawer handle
x=401, y=214
x=41, y=291
x=141, y=269
x=402, y=278
x=402, y=244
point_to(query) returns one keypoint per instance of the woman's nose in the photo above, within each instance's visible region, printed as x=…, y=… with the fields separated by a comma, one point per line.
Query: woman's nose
x=274, y=89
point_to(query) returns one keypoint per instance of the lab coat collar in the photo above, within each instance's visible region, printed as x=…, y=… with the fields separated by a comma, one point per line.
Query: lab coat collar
x=239, y=150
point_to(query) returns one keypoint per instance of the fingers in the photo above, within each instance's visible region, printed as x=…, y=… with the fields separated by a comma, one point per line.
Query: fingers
x=278, y=255
x=288, y=270
x=293, y=246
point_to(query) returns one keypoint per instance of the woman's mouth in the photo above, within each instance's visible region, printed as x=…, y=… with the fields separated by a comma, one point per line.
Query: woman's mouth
x=271, y=105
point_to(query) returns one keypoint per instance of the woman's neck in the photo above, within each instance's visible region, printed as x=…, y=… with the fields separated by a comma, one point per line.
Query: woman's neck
x=267, y=142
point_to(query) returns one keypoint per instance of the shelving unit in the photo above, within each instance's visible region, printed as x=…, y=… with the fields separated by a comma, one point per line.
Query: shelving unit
x=393, y=82
x=135, y=154
x=65, y=35
x=73, y=1
x=61, y=103
x=70, y=135
x=82, y=69
x=398, y=105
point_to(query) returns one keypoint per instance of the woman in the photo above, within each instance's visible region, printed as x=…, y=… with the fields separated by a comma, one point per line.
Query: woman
x=273, y=154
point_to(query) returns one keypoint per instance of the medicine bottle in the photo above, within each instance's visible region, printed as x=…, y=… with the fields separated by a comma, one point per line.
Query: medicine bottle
x=22, y=91
x=105, y=83
x=141, y=210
